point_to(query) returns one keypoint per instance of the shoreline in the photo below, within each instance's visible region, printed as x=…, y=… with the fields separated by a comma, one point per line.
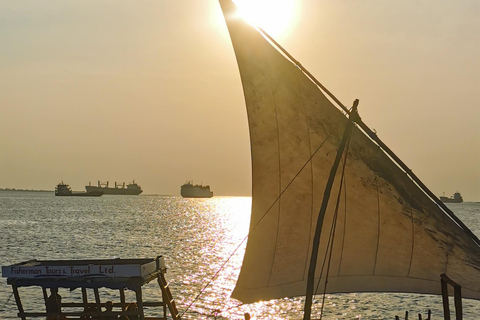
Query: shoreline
x=24, y=190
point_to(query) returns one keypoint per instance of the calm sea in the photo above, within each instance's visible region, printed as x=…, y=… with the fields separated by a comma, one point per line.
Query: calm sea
x=196, y=237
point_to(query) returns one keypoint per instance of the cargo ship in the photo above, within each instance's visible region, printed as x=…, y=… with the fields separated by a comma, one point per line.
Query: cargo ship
x=188, y=190
x=119, y=189
x=64, y=190
x=457, y=198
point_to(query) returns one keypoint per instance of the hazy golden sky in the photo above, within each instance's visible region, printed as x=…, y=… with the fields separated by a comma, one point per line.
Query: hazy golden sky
x=149, y=90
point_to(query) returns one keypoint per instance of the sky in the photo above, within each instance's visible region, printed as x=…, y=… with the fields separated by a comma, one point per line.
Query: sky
x=149, y=90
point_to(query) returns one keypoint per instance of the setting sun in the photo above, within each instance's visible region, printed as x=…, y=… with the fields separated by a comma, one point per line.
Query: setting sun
x=274, y=16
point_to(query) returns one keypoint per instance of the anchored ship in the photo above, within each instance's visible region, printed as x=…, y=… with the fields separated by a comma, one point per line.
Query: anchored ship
x=120, y=188
x=188, y=190
x=457, y=198
x=64, y=190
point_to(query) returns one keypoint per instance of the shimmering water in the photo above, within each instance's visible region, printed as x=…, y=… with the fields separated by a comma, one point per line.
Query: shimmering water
x=196, y=237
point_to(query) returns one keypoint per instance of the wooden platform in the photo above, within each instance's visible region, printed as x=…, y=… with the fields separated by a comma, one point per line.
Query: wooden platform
x=116, y=274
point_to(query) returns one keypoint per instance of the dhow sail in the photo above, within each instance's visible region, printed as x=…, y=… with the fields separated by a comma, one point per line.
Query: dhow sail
x=389, y=235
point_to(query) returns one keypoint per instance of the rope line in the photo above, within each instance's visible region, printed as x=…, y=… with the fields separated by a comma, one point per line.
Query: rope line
x=258, y=222
x=215, y=275
x=3, y=306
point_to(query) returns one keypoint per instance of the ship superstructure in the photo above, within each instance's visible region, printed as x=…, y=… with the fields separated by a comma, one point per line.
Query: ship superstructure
x=119, y=189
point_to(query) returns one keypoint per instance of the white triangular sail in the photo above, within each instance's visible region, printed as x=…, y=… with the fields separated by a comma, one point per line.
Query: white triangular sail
x=389, y=237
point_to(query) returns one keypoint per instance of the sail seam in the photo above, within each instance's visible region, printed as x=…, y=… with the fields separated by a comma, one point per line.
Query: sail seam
x=279, y=183
x=378, y=224
x=312, y=187
x=367, y=276
x=413, y=242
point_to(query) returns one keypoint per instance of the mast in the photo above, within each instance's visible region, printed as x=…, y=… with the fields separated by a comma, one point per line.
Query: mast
x=316, y=240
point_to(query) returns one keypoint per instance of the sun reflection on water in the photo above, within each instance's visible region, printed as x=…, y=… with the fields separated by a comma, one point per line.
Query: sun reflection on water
x=196, y=237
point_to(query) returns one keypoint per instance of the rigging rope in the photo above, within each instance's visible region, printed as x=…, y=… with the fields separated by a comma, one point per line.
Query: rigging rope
x=215, y=275
x=3, y=306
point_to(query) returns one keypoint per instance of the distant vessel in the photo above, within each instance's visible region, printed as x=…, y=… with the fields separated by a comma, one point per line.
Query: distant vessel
x=64, y=190
x=457, y=198
x=188, y=190
x=120, y=189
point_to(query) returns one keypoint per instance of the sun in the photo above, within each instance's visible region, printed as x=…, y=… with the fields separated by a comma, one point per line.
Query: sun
x=276, y=17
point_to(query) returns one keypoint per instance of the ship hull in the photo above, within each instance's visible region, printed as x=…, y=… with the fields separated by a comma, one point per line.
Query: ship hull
x=197, y=196
x=114, y=191
x=189, y=191
x=450, y=200
x=456, y=198
x=82, y=194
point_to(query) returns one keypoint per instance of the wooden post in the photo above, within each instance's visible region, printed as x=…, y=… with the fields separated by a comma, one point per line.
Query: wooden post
x=419, y=316
x=18, y=301
x=397, y=318
x=45, y=295
x=446, y=306
x=122, y=299
x=457, y=296
x=164, y=299
x=84, y=299
x=406, y=315
x=97, y=301
x=138, y=292
x=429, y=314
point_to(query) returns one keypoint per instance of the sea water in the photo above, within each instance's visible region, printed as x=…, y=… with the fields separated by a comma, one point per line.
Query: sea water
x=202, y=241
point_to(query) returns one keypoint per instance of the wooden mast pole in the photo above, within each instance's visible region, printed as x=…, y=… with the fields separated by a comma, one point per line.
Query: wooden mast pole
x=316, y=239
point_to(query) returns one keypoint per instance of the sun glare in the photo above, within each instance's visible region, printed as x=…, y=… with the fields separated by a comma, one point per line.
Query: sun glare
x=274, y=16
